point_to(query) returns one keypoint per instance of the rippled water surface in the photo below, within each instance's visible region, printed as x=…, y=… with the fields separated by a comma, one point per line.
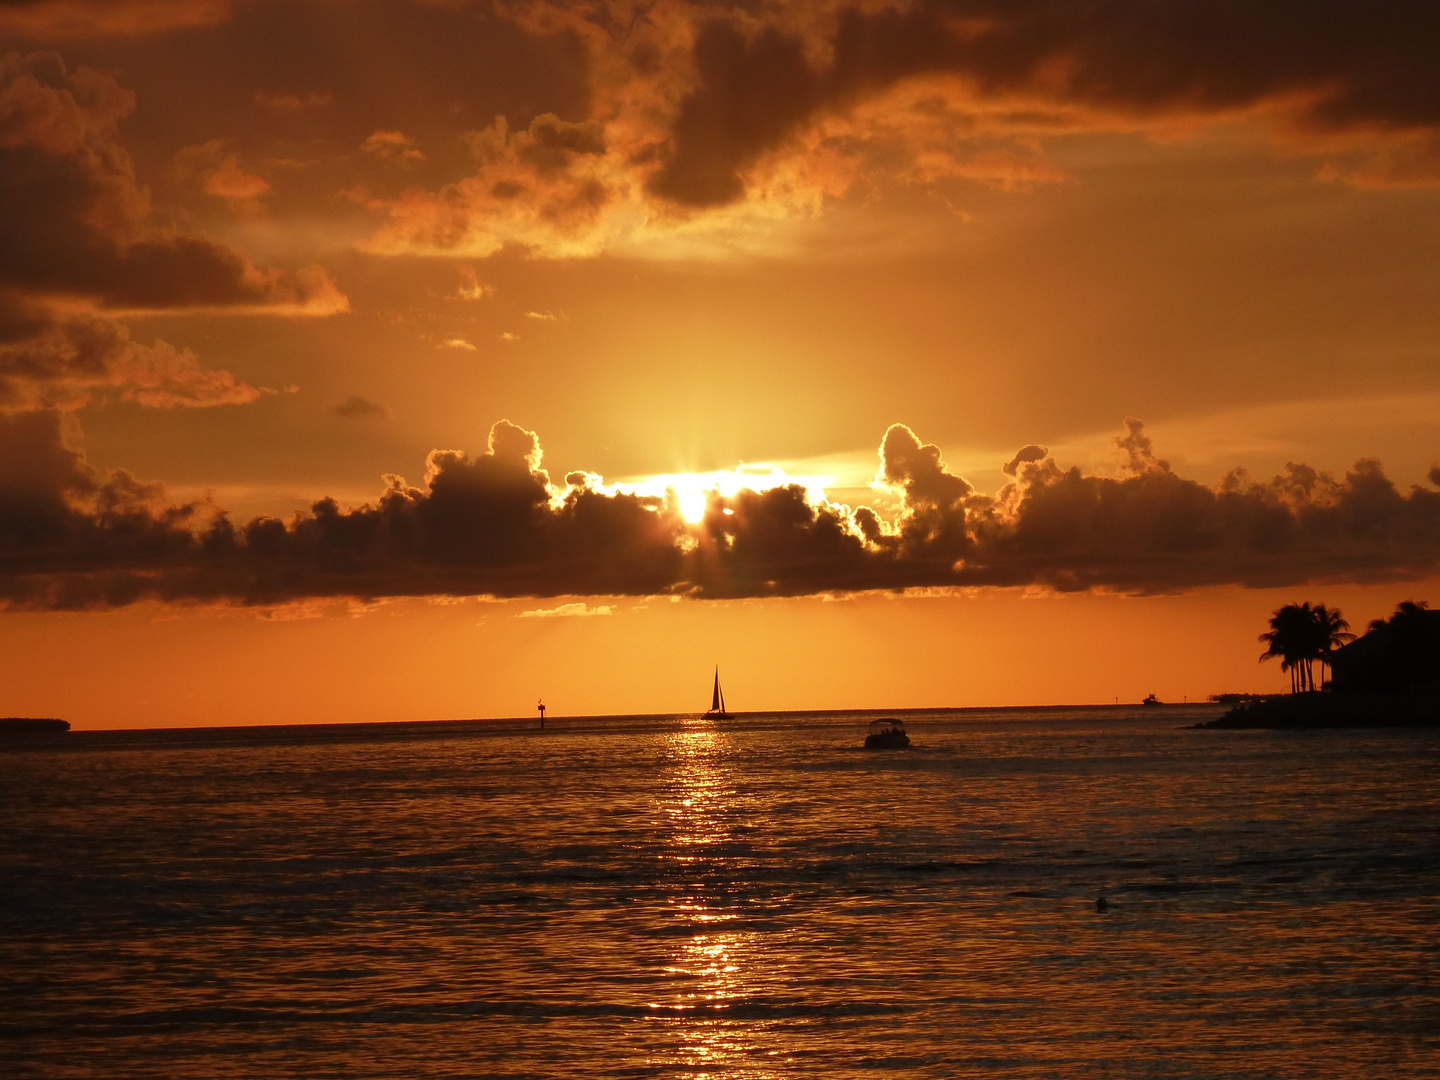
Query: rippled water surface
x=677, y=896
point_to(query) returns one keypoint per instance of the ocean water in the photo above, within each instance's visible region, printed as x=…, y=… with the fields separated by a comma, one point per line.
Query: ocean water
x=677, y=896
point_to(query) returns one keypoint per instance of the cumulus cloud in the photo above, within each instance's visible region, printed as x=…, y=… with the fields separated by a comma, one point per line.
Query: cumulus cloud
x=77, y=225
x=79, y=246
x=551, y=187
x=495, y=524
x=471, y=287
x=214, y=167
x=703, y=110
x=392, y=146
x=69, y=361
x=1033, y=452
x=567, y=611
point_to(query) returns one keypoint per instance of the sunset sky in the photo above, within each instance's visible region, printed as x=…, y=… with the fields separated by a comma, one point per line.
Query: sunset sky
x=410, y=359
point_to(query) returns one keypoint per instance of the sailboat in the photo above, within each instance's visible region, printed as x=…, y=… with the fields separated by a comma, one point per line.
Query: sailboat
x=717, y=700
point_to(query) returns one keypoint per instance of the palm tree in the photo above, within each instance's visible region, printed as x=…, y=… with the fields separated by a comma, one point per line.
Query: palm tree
x=1408, y=613
x=1292, y=638
x=1331, y=631
x=1412, y=644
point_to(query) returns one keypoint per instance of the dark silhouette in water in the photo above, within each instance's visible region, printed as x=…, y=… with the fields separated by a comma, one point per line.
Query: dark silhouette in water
x=1102, y=905
x=541, y=707
x=717, y=699
x=886, y=733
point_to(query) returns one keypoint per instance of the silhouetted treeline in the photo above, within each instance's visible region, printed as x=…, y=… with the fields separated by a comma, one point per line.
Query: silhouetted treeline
x=1300, y=635
x=1396, y=655
x=1399, y=654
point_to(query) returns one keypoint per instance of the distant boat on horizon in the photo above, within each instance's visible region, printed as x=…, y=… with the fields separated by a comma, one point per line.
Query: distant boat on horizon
x=717, y=700
x=1152, y=700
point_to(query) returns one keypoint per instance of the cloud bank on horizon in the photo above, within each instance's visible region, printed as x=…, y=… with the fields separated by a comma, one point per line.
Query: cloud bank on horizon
x=494, y=524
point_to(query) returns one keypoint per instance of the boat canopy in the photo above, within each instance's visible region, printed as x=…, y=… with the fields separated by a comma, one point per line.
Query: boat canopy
x=886, y=722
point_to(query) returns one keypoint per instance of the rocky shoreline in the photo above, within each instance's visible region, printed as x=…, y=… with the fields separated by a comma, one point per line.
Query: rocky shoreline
x=32, y=727
x=1323, y=710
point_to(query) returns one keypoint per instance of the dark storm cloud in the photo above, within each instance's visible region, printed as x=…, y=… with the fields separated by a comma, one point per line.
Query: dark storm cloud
x=694, y=107
x=1153, y=531
x=1323, y=69
x=494, y=524
x=356, y=407
x=64, y=527
x=74, y=221
x=752, y=92
x=481, y=525
x=584, y=119
x=77, y=239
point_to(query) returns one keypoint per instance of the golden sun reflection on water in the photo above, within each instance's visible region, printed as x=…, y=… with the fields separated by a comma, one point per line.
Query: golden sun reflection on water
x=713, y=968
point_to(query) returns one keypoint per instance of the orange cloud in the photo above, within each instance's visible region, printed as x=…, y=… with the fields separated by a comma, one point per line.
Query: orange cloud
x=471, y=287
x=77, y=225
x=391, y=145
x=705, y=117
x=76, y=361
x=78, y=242
x=218, y=172
x=552, y=187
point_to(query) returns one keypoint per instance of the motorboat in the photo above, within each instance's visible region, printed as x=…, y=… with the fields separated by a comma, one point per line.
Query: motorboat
x=1151, y=699
x=887, y=733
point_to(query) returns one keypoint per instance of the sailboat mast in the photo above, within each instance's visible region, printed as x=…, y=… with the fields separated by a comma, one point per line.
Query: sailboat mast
x=715, y=698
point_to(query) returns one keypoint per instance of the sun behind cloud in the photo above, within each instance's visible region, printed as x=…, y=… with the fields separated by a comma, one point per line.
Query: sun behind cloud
x=692, y=492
